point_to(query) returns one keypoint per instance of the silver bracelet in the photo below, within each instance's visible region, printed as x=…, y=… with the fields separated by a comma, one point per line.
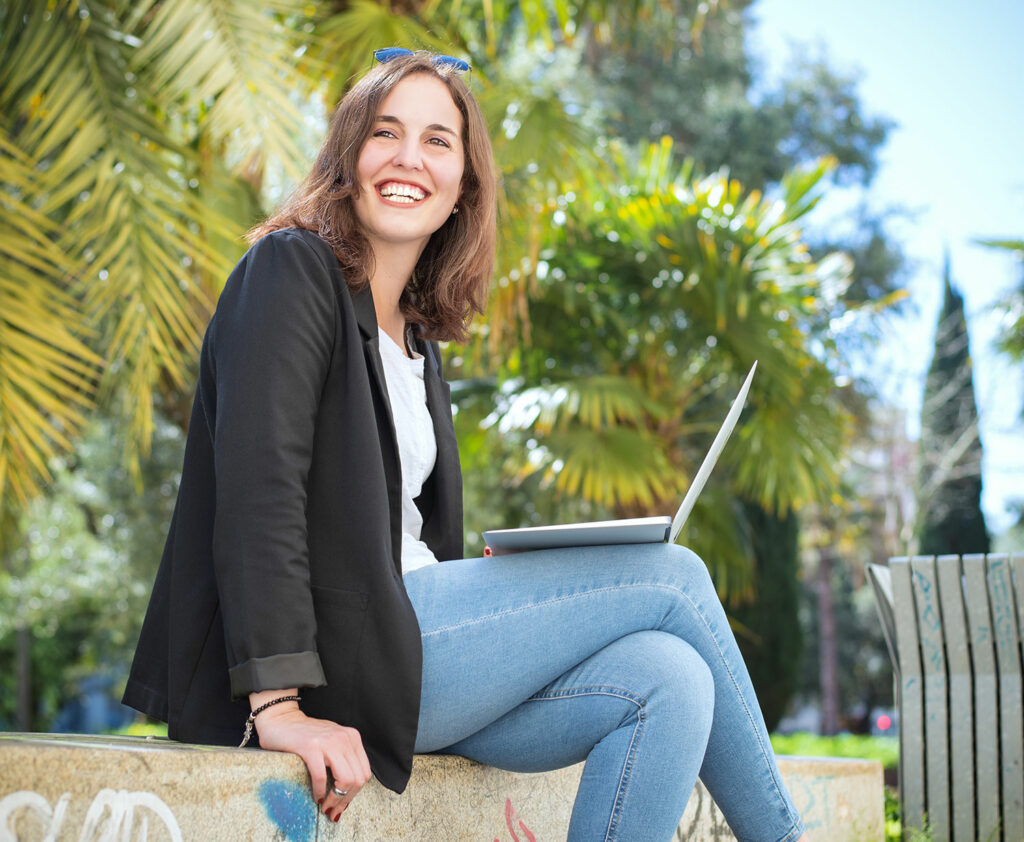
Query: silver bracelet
x=251, y=721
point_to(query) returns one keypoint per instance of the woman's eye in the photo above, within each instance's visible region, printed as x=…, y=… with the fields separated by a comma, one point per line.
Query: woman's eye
x=440, y=141
x=383, y=133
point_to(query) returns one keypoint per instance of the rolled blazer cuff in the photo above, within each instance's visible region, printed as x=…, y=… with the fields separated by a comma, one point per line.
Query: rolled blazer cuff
x=295, y=669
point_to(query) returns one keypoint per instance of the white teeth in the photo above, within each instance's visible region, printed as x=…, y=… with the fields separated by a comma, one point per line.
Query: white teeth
x=404, y=193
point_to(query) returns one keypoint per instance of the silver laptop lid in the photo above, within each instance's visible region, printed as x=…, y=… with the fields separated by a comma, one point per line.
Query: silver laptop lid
x=709, y=461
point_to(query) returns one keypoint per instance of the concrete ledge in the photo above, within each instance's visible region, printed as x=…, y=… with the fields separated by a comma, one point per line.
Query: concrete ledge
x=86, y=789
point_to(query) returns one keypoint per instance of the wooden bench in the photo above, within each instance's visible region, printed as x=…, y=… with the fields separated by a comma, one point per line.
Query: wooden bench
x=954, y=627
x=63, y=788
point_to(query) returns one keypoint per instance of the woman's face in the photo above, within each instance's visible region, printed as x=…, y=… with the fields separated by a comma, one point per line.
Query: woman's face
x=410, y=167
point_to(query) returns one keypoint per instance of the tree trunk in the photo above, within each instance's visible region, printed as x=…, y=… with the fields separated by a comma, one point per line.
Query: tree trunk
x=24, y=673
x=829, y=676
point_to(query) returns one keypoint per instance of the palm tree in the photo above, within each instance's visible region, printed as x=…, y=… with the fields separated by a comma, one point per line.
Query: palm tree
x=653, y=293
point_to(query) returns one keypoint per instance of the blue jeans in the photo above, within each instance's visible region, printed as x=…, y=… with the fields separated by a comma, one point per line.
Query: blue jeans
x=618, y=655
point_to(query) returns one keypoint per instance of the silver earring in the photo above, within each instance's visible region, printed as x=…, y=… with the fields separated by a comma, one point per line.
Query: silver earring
x=455, y=209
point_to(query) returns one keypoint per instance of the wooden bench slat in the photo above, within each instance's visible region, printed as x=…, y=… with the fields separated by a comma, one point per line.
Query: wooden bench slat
x=912, y=771
x=936, y=702
x=961, y=696
x=986, y=715
x=1011, y=719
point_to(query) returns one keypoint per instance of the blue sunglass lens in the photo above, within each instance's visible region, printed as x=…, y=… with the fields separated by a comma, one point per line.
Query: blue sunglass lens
x=389, y=53
x=457, y=63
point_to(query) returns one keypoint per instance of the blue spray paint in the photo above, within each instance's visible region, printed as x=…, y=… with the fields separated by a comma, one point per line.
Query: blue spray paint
x=289, y=807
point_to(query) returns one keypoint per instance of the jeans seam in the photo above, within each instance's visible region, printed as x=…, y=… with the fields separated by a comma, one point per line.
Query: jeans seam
x=627, y=769
x=795, y=833
x=594, y=690
x=552, y=601
x=627, y=764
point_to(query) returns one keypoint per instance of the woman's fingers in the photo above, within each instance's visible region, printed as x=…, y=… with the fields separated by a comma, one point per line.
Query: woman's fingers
x=360, y=752
x=317, y=776
x=350, y=770
x=333, y=754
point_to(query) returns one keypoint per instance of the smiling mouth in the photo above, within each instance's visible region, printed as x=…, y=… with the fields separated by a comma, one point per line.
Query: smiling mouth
x=406, y=194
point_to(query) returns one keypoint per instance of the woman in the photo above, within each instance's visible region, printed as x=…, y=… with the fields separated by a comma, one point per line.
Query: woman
x=299, y=589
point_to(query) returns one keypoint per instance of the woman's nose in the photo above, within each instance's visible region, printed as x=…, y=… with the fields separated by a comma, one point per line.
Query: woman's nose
x=408, y=154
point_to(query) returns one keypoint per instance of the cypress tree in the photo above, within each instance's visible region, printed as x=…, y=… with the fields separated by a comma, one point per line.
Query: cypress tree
x=949, y=518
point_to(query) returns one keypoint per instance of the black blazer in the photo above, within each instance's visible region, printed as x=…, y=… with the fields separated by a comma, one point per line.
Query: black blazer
x=283, y=563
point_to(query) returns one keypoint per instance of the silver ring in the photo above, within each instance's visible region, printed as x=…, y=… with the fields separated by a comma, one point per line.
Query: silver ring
x=341, y=793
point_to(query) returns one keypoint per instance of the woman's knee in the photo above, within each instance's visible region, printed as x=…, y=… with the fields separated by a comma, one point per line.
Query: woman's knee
x=665, y=666
x=674, y=680
x=684, y=567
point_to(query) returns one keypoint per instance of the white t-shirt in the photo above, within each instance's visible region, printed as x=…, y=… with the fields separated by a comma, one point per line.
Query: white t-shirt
x=417, y=447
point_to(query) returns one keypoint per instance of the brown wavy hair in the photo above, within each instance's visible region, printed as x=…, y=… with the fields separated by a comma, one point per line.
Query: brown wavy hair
x=451, y=279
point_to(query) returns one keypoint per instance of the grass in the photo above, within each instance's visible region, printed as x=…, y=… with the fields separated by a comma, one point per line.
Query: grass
x=143, y=729
x=884, y=749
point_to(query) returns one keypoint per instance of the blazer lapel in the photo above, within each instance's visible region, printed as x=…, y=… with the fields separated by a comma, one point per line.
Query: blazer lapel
x=366, y=318
x=444, y=524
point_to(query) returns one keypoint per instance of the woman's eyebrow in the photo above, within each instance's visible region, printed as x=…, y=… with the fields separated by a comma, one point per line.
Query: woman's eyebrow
x=433, y=127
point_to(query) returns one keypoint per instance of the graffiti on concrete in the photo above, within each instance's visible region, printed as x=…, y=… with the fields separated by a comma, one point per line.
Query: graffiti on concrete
x=703, y=819
x=288, y=806
x=512, y=818
x=112, y=816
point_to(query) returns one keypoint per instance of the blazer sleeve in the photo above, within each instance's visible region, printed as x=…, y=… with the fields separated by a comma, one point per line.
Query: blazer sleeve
x=270, y=353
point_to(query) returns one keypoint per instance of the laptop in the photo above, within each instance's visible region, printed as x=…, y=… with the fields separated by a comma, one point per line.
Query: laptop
x=641, y=530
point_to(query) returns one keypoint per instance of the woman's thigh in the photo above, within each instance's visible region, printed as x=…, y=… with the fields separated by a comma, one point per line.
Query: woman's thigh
x=497, y=630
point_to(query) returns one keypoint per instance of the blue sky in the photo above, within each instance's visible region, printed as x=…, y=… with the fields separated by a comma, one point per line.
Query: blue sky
x=951, y=76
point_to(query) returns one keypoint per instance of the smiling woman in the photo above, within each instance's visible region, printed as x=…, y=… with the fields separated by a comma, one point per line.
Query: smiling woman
x=382, y=130
x=410, y=177
x=300, y=592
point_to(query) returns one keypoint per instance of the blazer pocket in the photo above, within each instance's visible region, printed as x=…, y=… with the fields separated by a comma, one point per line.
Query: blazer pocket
x=340, y=620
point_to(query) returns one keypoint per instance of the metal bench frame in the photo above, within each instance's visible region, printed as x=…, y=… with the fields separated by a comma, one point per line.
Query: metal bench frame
x=954, y=626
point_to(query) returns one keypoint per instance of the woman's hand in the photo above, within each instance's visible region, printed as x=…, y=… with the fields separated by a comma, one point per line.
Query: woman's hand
x=333, y=754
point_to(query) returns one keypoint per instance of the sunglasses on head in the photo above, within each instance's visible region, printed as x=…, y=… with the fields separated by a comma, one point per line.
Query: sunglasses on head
x=389, y=53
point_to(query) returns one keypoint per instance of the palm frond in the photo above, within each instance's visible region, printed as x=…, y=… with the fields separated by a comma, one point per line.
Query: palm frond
x=47, y=374
x=113, y=176
x=617, y=466
x=345, y=41
x=235, y=61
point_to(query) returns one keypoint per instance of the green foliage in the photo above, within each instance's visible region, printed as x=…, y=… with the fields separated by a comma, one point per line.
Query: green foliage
x=703, y=94
x=770, y=635
x=80, y=579
x=949, y=497
x=1011, y=335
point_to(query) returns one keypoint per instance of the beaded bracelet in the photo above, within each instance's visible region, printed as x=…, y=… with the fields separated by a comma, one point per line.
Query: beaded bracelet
x=251, y=721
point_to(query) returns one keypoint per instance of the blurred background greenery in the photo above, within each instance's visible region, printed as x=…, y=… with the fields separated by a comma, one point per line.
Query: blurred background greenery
x=656, y=237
